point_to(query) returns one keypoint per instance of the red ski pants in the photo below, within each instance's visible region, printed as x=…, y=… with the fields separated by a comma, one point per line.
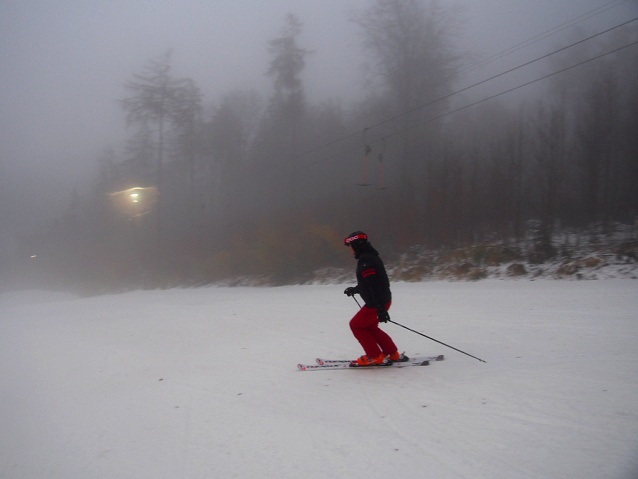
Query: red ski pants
x=365, y=327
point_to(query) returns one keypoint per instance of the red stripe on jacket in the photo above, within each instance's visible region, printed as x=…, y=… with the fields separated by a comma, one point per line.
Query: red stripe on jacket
x=368, y=272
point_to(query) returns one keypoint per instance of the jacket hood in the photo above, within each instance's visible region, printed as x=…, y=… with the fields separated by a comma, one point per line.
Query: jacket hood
x=365, y=248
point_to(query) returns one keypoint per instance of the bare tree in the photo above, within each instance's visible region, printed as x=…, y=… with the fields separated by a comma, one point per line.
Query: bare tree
x=550, y=156
x=282, y=128
x=285, y=67
x=186, y=115
x=230, y=175
x=412, y=55
x=412, y=63
x=150, y=103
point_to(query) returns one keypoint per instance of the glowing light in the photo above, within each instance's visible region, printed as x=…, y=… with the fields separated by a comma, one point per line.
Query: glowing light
x=135, y=201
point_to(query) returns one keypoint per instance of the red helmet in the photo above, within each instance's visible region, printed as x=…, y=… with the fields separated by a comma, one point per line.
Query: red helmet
x=356, y=239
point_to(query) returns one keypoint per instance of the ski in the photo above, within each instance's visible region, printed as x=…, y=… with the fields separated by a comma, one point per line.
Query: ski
x=345, y=363
x=321, y=361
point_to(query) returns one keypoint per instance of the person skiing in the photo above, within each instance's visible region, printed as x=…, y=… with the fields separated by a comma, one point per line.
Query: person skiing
x=373, y=286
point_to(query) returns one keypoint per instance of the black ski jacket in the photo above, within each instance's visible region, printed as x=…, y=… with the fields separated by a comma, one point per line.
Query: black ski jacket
x=372, y=280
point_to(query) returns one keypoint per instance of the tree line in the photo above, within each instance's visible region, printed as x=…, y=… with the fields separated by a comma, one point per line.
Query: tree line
x=270, y=186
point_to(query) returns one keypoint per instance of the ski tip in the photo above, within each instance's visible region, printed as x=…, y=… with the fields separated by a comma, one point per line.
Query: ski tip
x=319, y=361
x=301, y=367
x=440, y=357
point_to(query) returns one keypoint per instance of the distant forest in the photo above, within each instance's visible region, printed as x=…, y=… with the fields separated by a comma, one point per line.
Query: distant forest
x=270, y=186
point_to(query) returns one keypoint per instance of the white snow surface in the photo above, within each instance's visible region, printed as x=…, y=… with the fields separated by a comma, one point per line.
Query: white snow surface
x=203, y=383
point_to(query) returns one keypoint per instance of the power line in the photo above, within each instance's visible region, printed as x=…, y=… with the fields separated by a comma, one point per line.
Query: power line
x=501, y=74
x=476, y=103
x=515, y=88
x=543, y=35
x=359, y=132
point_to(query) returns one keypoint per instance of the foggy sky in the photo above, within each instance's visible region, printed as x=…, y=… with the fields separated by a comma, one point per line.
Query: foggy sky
x=63, y=64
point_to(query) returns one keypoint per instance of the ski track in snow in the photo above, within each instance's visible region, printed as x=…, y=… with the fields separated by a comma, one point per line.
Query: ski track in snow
x=164, y=384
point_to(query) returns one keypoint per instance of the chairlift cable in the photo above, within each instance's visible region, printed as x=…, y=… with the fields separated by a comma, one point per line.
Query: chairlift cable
x=543, y=35
x=351, y=135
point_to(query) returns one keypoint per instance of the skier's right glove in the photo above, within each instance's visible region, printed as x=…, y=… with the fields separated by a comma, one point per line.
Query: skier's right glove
x=351, y=291
x=382, y=314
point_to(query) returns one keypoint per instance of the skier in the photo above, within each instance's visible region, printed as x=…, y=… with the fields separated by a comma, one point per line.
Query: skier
x=374, y=288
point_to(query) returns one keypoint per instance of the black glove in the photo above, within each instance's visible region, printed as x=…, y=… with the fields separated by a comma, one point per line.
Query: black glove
x=382, y=314
x=351, y=291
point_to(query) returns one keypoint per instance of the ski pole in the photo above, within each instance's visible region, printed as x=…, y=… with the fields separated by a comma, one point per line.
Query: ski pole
x=435, y=340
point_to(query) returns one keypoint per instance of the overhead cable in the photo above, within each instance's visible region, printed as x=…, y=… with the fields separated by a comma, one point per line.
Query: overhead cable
x=351, y=135
x=474, y=103
x=548, y=33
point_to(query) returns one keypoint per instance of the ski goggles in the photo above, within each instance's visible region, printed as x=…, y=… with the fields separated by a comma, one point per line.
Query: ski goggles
x=350, y=239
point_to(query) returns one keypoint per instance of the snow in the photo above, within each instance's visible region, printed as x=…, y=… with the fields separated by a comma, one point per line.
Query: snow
x=164, y=384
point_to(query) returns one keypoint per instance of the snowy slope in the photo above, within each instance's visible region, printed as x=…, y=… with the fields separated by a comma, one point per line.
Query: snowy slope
x=159, y=384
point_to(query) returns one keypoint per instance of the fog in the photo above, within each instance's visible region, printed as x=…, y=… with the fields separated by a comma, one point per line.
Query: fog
x=63, y=66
